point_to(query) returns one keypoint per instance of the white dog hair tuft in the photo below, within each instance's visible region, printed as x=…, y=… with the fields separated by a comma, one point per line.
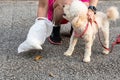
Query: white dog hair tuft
x=112, y=13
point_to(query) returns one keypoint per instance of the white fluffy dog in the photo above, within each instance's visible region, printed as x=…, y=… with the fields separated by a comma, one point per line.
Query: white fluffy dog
x=36, y=35
x=76, y=13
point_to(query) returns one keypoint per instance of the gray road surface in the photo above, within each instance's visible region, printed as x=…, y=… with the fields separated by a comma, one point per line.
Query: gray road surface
x=16, y=17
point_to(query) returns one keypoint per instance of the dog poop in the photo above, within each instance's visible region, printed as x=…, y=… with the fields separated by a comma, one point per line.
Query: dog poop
x=38, y=57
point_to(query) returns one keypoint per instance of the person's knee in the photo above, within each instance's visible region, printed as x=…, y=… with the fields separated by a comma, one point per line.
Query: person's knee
x=58, y=3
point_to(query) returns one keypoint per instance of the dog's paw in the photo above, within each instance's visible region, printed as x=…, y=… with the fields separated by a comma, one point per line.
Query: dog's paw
x=68, y=53
x=105, y=52
x=86, y=59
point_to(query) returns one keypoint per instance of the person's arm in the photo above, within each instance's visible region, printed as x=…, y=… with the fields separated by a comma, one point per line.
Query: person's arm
x=42, y=8
x=93, y=2
x=92, y=9
x=92, y=6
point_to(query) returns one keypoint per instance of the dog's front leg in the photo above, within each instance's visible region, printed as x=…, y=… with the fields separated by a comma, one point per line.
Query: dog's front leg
x=88, y=46
x=73, y=41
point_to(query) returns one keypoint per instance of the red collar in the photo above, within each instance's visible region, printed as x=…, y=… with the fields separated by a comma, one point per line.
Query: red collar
x=81, y=35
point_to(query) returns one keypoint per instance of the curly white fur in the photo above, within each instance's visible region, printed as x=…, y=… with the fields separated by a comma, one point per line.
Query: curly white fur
x=76, y=14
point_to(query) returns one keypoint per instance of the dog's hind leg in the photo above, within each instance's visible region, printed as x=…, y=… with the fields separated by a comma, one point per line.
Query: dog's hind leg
x=73, y=41
x=105, y=30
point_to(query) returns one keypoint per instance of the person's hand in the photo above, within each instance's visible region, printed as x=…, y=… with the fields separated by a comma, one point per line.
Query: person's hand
x=91, y=15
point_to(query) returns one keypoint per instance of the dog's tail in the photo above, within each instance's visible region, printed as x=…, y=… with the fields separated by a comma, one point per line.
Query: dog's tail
x=112, y=13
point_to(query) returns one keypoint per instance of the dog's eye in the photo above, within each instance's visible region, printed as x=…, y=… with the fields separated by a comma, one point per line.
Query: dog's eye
x=63, y=6
x=64, y=14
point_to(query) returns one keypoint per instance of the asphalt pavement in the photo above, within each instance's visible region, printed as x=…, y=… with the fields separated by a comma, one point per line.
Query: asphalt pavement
x=16, y=17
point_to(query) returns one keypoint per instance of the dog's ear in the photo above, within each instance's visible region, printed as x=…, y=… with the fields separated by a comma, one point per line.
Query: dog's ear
x=79, y=20
x=66, y=11
x=76, y=21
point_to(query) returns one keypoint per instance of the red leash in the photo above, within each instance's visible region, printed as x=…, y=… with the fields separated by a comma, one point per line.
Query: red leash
x=113, y=44
x=77, y=35
x=109, y=49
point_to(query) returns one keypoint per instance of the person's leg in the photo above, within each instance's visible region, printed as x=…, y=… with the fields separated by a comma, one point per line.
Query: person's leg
x=55, y=37
x=42, y=8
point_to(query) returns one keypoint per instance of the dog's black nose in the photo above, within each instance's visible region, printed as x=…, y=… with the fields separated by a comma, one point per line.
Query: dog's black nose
x=63, y=5
x=64, y=14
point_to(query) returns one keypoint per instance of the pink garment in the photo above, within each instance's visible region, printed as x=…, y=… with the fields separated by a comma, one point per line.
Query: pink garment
x=85, y=0
x=50, y=8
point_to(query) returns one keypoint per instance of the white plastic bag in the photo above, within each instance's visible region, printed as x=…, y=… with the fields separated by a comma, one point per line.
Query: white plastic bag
x=36, y=35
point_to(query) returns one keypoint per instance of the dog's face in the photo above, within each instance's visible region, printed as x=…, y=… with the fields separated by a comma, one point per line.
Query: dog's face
x=75, y=9
x=67, y=14
x=76, y=13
